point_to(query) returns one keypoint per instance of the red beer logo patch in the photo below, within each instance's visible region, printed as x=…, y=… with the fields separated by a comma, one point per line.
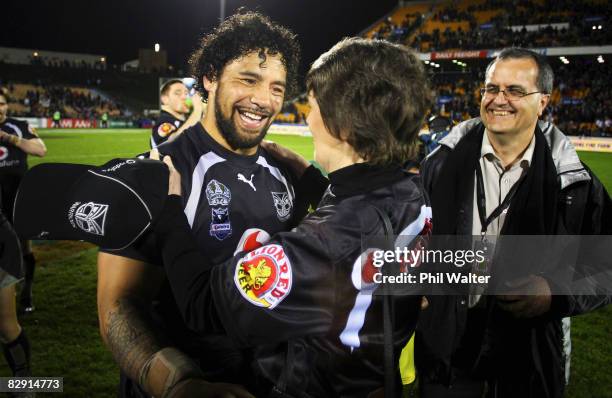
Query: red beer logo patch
x=264, y=276
x=164, y=129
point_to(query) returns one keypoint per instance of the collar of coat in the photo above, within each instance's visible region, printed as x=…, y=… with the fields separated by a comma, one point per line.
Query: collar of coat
x=569, y=168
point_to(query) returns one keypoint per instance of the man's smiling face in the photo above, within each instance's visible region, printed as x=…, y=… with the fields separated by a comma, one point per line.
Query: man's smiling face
x=247, y=97
x=501, y=116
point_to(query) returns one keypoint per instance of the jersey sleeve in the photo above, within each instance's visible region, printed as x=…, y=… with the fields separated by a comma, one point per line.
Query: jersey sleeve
x=144, y=249
x=29, y=132
x=278, y=291
x=162, y=130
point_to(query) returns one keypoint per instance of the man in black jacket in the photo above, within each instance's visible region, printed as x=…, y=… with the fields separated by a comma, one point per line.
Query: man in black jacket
x=506, y=173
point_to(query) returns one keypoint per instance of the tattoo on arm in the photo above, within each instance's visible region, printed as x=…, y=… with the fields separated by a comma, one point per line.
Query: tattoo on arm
x=131, y=336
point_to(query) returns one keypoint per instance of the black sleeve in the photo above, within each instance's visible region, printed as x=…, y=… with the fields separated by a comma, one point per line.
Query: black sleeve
x=281, y=290
x=162, y=130
x=144, y=249
x=188, y=272
x=597, y=220
x=430, y=168
x=28, y=132
x=309, y=190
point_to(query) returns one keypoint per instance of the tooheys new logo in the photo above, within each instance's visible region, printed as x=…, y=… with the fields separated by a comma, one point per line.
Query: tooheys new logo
x=264, y=276
x=89, y=217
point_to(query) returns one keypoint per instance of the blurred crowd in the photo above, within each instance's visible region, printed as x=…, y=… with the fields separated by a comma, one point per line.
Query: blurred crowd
x=580, y=23
x=43, y=101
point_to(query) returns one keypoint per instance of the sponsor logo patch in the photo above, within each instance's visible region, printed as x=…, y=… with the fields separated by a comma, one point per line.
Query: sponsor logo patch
x=165, y=129
x=4, y=152
x=220, y=226
x=219, y=197
x=283, y=205
x=264, y=276
x=89, y=217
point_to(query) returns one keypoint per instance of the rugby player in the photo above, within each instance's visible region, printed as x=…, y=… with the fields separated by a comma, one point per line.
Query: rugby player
x=243, y=69
x=172, y=120
x=303, y=299
x=15, y=343
x=17, y=141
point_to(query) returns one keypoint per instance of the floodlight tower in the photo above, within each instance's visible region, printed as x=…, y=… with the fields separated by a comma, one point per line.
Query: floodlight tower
x=221, y=10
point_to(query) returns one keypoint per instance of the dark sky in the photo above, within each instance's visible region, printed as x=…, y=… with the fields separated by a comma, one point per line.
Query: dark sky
x=118, y=28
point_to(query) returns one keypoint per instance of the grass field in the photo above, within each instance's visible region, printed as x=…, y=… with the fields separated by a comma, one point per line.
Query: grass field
x=64, y=328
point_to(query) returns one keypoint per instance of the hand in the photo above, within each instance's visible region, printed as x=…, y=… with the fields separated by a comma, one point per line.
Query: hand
x=424, y=303
x=296, y=163
x=198, y=104
x=8, y=138
x=201, y=388
x=529, y=297
x=174, y=179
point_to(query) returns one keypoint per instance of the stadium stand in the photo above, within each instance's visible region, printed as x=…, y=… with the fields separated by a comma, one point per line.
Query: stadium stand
x=76, y=88
x=73, y=102
x=469, y=24
x=580, y=103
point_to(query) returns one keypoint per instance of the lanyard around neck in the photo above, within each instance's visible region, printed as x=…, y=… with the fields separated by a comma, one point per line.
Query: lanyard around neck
x=481, y=200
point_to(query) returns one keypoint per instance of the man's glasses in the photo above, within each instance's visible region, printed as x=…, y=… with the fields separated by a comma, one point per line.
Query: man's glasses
x=511, y=94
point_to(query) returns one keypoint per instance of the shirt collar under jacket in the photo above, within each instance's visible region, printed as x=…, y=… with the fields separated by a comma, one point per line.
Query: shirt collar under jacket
x=487, y=152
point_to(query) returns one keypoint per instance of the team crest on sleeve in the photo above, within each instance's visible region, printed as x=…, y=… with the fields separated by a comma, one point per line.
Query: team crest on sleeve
x=283, y=205
x=32, y=131
x=219, y=197
x=89, y=217
x=165, y=129
x=264, y=276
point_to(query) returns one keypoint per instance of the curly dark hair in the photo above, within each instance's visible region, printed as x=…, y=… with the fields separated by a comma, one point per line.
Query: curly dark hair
x=240, y=34
x=374, y=95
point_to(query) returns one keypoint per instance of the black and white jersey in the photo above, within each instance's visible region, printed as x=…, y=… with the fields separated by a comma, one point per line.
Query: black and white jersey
x=13, y=161
x=223, y=194
x=310, y=288
x=165, y=126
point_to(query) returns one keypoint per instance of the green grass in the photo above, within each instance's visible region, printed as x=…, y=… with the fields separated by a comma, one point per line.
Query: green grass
x=64, y=328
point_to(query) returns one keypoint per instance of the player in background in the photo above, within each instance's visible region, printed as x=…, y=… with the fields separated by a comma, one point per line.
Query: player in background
x=173, y=119
x=15, y=343
x=17, y=141
x=243, y=69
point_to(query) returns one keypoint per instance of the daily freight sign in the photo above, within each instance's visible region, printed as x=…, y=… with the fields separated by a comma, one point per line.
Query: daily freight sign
x=459, y=54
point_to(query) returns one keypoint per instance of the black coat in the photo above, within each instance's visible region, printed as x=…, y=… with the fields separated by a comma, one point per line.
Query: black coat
x=527, y=356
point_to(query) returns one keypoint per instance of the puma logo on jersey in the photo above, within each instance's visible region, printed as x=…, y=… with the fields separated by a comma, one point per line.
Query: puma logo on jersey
x=242, y=178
